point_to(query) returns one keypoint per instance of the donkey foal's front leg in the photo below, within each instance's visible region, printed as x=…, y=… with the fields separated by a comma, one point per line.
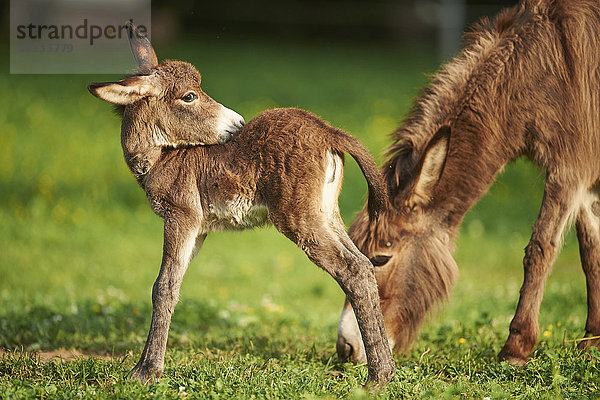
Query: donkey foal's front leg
x=180, y=245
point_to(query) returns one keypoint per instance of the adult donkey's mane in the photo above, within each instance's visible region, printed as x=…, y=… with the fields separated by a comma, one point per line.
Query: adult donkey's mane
x=489, y=45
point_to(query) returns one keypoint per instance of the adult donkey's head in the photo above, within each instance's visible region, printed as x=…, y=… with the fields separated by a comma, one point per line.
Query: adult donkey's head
x=410, y=248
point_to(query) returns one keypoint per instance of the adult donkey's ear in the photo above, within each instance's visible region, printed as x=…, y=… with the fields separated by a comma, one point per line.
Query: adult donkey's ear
x=127, y=91
x=142, y=50
x=432, y=165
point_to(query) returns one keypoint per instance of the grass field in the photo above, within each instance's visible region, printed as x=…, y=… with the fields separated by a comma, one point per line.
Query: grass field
x=80, y=250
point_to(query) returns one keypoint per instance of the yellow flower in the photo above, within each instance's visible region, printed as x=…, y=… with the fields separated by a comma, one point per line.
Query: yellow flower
x=462, y=340
x=547, y=334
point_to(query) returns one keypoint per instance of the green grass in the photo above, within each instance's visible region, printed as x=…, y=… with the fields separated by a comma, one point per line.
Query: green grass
x=80, y=250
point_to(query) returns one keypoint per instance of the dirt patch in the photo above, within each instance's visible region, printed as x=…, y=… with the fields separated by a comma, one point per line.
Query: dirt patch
x=61, y=354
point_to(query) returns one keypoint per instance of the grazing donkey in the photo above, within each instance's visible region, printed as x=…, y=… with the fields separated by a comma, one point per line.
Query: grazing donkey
x=526, y=83
x=284, y=166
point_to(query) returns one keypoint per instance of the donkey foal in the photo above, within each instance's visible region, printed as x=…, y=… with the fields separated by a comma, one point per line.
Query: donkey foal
x=284, y=166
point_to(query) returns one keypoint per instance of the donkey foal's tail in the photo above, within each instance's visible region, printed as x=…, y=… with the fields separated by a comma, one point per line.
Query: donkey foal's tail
x=378, y=194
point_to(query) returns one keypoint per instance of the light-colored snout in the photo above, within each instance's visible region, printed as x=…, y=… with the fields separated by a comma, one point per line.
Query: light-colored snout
x=228, y=123
x=349, y=343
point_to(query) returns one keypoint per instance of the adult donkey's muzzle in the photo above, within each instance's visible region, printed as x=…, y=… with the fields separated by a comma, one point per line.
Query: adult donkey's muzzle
x=349, y=345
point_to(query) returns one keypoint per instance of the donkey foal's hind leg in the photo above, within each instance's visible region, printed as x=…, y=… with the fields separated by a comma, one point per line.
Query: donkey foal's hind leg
x=353, y=272
x=588, y=234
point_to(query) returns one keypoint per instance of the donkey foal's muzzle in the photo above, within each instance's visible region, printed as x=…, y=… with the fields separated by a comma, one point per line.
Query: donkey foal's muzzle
x=229, y=123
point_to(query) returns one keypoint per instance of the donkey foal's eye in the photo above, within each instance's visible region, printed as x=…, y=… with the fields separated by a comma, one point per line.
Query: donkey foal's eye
x=188, y=98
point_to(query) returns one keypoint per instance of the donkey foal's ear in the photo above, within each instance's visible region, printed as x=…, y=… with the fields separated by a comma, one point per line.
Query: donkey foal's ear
x=126, y=91
x=432, y=165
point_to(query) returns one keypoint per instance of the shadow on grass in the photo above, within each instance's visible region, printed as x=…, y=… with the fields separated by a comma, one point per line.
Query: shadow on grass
x=120, y=327
x=88, y=325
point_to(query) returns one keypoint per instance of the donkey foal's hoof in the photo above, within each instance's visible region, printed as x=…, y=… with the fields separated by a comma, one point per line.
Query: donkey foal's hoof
x=381, y=378
x=145, y=374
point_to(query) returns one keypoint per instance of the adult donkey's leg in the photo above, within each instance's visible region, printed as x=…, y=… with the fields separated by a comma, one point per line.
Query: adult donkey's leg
x=557, y=206
x=181, y=243
x=588, y=234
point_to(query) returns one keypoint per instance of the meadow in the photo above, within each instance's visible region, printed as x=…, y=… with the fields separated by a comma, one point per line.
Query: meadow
x=80, y=249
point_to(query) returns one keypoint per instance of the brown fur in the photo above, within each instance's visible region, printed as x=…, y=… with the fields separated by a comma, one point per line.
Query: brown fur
x=286, y=162
x=526, y=83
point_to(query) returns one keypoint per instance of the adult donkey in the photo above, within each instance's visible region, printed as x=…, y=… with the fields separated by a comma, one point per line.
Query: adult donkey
x=526, y=83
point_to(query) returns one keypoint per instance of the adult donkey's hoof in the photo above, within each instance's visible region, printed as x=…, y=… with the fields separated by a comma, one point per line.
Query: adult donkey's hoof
x=590, y=340
x=519, y=345
x=513, y=359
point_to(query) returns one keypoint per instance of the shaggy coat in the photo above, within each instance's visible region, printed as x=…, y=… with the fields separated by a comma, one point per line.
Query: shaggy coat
x=526, y=83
